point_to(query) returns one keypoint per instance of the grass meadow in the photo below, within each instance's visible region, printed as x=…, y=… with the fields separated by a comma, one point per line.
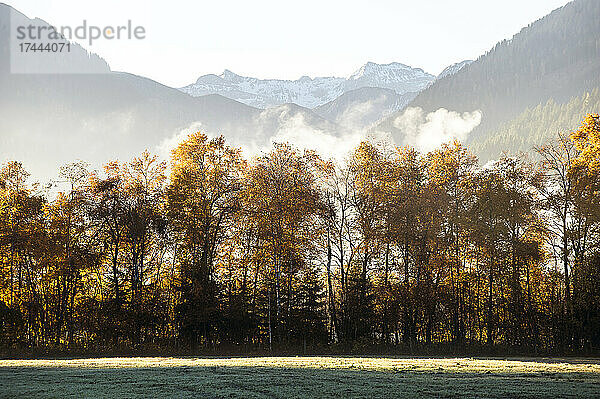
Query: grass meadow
x=299, y=377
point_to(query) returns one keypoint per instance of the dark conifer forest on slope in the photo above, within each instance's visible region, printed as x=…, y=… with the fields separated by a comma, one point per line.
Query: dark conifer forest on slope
x=556, y=58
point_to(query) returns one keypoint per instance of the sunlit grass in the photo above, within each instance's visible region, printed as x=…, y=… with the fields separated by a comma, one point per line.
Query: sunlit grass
x=469, y=365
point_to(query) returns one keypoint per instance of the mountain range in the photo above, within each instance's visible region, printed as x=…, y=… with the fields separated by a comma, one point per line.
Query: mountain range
x=308, y=92
x=50, y=119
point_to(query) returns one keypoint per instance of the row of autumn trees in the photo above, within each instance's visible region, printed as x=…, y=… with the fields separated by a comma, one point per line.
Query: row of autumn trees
x=288, y=250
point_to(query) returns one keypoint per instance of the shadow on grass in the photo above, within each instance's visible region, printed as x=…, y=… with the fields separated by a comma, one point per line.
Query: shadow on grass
x=269, y=382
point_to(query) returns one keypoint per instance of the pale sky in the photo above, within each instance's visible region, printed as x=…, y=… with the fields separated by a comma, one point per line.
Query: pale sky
x=278, y=39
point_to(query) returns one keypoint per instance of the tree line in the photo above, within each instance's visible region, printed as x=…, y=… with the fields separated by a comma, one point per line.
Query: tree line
x=289, y=250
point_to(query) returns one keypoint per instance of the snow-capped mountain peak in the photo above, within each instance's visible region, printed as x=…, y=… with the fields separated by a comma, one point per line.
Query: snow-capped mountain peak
x=395, y=76
x=454, y=68
x=310, y=92
x=231, y=76
x=371, y=68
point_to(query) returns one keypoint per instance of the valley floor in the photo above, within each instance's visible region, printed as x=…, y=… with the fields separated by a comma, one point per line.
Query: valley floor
x=299, y=377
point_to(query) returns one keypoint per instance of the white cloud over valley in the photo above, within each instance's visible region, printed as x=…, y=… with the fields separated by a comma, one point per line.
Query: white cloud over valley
x=425, y=132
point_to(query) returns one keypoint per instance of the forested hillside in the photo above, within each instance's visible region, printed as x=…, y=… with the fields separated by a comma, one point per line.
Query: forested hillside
x=556, y=57
x=535, y=126
x=288, y=251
